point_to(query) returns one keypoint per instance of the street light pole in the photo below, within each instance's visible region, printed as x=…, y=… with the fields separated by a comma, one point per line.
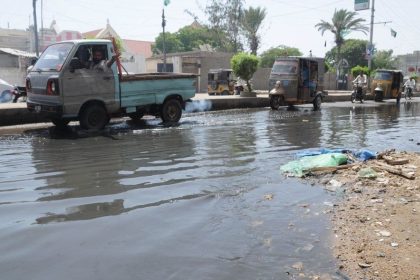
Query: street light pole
x=371, y=36
x=35, y=28
x=164, y=45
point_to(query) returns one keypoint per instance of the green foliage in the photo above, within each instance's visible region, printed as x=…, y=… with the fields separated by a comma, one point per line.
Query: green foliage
x=192, y=37
x=356, y=70
x=244, y=66
x=172, y=43
x=383, y=60
x=414, y=76
x=250, y=24
x=224, y=19
x=269, y=56
x=352, y=50
x=185, y=39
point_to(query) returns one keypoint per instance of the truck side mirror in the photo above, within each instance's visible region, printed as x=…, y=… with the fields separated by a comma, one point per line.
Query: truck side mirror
x=75, y=64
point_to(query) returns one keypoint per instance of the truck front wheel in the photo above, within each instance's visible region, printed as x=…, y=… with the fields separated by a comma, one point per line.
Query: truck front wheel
x=171, y=111
x=93, y=117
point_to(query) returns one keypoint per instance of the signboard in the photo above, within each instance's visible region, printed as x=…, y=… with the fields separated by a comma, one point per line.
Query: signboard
x=361, y=5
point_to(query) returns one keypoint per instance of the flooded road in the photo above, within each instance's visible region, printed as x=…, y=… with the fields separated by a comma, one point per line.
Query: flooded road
x=202, y=200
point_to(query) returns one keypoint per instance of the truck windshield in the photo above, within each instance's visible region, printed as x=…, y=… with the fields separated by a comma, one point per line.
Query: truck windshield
x=284, y=67
x=52, y=59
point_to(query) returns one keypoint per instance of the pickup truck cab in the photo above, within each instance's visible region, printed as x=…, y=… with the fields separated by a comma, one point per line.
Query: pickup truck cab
x=64, y=86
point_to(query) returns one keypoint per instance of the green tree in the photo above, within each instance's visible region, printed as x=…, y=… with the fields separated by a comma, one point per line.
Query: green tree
x=352, y=50
x=343, y=22
x=251, y=22
x=192, y=37
x=244, y=66
x=172, y=43
x=269, y=56
x=356, y=70
x=383, y=60
x=224, y=19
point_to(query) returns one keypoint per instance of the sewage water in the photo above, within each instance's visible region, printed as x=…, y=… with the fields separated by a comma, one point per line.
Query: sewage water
x=201, y=200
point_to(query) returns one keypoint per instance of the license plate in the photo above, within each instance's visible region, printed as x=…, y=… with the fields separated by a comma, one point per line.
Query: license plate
x=37, y=108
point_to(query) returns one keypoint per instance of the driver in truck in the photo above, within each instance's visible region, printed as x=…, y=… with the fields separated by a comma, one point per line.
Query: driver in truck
x=99, y=62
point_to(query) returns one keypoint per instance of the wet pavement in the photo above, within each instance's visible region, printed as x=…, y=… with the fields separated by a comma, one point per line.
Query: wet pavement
x=201, y=200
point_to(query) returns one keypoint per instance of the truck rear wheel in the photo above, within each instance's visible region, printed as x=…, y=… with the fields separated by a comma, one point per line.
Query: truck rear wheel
x=93, y=117
x=171, y=111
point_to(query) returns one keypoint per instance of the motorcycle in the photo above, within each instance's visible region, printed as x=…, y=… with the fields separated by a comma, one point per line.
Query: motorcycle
x=18, y=92
x=357, y=93
x=408, y=92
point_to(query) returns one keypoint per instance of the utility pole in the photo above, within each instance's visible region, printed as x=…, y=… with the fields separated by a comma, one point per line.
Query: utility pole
x=370, y=47
x=35, y=28
x=164, y=47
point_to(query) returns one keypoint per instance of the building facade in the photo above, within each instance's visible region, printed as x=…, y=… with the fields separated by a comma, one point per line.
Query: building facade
x=409, y=63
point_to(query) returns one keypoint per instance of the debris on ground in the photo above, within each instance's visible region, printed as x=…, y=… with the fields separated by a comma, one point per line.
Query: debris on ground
x=376, y=231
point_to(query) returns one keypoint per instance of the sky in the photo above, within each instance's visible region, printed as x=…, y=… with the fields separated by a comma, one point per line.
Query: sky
x=288, y=22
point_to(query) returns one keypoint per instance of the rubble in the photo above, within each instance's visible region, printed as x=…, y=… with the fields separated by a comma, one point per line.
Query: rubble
x=376, y=226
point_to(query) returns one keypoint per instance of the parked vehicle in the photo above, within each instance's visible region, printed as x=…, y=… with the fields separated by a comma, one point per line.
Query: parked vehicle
x=6, y=91
x=60, y=86
x=10, y=93
x=358, y=93
x=296, y=80
x=222, y=82
x=387, y=84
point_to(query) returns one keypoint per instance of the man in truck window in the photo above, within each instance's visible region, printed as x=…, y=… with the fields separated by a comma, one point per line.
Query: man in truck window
x=99, y=62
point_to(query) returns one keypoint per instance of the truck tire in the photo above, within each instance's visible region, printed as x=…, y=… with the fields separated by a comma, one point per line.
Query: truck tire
x=93, y=117
x=60, y=122
x=171, y=111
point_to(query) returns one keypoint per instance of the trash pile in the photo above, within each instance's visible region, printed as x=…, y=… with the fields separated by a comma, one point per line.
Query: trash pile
x=330, y=160
x=367, y=163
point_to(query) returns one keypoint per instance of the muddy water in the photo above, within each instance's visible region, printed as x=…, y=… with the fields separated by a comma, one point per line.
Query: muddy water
x=202, y=200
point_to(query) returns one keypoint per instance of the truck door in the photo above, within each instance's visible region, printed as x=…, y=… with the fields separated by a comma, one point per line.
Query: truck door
x=88, y=82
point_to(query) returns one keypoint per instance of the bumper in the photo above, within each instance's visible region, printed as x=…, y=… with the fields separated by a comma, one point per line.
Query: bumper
x=56, y=110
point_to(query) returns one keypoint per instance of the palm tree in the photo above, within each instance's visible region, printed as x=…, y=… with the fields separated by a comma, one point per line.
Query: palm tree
x=343, y=22
x=251, y=22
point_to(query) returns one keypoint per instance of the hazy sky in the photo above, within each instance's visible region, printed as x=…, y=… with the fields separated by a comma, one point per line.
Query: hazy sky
x=288, y=22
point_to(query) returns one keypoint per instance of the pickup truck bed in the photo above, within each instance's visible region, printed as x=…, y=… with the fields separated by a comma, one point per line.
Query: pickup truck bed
x=155, y=76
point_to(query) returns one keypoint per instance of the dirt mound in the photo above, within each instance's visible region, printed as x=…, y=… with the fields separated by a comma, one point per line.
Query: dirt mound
x=377, y=224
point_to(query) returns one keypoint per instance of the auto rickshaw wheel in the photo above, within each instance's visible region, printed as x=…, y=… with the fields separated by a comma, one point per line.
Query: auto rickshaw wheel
x=317, y=103
x=379, y=95
x=275, y=101
x=225, y=92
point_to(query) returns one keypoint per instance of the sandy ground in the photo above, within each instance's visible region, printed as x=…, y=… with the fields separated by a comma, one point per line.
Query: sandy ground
x=377, y=224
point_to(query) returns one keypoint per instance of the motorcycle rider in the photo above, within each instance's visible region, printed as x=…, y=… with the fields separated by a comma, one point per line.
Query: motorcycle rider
x=360, y=83
x=409, y=86
x=361, y=80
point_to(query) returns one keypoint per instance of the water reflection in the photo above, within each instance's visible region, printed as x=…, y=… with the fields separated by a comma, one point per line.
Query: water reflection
x=299, y=128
